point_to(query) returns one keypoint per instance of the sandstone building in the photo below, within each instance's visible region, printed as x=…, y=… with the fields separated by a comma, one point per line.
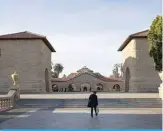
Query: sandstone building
x=85, y=80
x=30, y=55
x=138, y=66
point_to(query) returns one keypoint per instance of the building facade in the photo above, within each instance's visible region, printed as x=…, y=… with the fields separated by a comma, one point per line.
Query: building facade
x=85, y=80
x=29, y=55
x=138, y=66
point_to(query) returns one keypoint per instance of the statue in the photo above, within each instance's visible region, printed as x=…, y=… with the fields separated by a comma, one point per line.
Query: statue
x=15, y=78
x=15, y=85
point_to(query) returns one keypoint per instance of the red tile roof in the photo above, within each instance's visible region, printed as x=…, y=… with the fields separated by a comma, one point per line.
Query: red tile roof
x=97, y=76
x=27, y=35
x=109, y=79
x=142, y=34
x=71, y=75
x=59, y=79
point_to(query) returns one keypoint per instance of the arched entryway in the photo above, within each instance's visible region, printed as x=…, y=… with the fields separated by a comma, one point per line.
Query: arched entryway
x=70, y=88
x=85, y=87
x=55, y=88
x=127, y=80
x=116, y=88
x=99, y=87
x=47, y=80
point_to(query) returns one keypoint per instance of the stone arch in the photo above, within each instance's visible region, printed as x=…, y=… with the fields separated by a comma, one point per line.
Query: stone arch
x=85, y=87
x=116, y=87
x=127, y=80
x=99, y=87
x=47, y=80
x=55, y=88
x=71, y=87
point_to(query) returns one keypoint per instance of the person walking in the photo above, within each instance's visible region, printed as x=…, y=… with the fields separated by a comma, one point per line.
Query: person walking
x=93, y=103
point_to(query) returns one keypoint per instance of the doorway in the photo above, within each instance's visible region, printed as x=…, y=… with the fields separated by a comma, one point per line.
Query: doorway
x=46, y=80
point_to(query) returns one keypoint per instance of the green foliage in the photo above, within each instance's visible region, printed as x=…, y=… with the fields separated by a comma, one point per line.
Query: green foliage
x=155, y=41
x=115, y=70
x=54, y=74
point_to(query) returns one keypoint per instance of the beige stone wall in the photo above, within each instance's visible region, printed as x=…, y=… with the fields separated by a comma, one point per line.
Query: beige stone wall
x=129, y=61
x=146, y=75
x=143, y=77
x=27, y=59
x=129, y=51
x=46, y=63
x=86, y=78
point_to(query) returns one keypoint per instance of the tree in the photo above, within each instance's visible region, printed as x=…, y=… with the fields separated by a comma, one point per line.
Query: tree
x=64, y=76
x=155, y=42
x=54, y=74
x=58, y=68
x=121, y=69
x=115, y=71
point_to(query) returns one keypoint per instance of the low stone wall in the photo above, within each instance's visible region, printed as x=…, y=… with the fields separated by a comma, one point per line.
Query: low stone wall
x=8, y=101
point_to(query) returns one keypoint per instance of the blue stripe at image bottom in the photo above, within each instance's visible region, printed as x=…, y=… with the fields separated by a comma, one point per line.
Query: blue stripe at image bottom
x=81, y=130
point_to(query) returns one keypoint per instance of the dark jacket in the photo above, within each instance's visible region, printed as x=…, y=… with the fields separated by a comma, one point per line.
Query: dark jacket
x=93, y=100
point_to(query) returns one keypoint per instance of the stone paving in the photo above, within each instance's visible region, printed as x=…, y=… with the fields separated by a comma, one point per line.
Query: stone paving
x=50, y=118
x=52, y=112
x=4, y=116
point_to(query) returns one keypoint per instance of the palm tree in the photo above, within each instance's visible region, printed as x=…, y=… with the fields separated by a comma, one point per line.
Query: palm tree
x=58, y=68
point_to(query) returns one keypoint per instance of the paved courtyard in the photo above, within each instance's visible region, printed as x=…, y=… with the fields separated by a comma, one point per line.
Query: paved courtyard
x=68, y=111
x=79, y=118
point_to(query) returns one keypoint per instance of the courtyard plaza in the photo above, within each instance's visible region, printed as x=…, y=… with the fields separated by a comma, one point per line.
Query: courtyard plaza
x=69, y=111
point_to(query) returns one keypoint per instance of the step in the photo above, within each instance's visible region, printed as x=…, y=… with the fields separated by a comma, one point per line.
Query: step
x=110, y=103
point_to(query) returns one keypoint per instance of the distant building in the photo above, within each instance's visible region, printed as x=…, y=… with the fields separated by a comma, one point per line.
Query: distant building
x=85, y=80
x=30, y=55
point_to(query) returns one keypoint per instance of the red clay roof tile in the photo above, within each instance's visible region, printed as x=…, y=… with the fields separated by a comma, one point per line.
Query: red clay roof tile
x=142, y=34
x=27, y=35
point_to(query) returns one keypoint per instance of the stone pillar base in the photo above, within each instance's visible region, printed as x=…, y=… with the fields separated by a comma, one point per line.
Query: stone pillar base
x=161, y=91
x=16, y=88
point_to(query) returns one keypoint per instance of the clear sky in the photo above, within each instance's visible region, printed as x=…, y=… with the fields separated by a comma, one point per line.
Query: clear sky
x=83, y=32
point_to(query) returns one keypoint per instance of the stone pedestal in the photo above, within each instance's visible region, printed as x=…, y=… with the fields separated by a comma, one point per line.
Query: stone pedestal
x=161, y=86
x=16, y=88
x=161, y=90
